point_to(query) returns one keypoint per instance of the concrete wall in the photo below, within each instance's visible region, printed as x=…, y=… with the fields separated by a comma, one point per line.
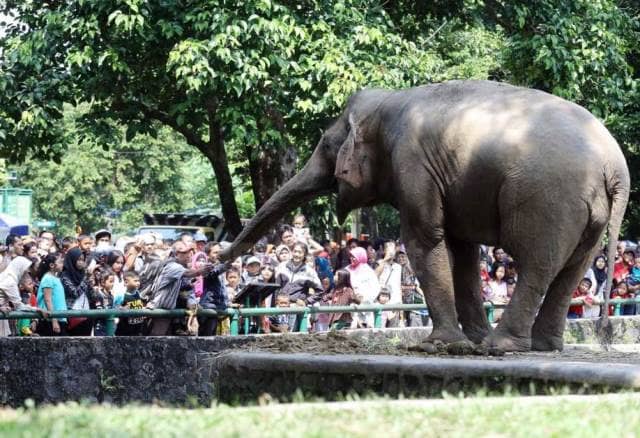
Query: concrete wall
x=174, y=370
x=116, y=370
x=626, y=330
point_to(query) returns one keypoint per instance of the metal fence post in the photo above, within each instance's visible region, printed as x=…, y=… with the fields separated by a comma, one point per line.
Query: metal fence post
x=304, y=322
x=616, y=309
x=377, y=318
x=110, y=326
x=489, y=311
x=233, y=325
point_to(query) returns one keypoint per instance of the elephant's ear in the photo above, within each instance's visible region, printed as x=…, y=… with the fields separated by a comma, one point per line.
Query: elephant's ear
x=350, y=156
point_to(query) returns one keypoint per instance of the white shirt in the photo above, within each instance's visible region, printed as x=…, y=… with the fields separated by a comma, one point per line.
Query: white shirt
x=391, y=277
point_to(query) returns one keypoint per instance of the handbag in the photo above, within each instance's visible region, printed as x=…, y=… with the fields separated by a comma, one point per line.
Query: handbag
x=81, y=303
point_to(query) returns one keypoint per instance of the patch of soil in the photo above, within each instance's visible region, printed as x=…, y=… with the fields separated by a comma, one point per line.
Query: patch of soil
x=341, y=342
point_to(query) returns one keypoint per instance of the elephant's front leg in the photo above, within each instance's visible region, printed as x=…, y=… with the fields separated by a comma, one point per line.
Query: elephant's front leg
x=466, y=282
x=433, y=268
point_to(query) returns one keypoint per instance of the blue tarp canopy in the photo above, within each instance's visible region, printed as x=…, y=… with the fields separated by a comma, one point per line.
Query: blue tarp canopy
x=12, y=225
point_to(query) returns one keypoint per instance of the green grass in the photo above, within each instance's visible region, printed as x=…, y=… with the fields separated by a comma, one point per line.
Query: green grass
x=561, y=416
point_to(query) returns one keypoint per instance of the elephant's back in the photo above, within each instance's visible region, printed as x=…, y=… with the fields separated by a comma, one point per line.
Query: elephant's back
x=482, y=122
x=498, y=136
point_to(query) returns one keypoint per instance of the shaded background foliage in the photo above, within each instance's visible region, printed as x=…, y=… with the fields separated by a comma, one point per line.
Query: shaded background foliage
x=228, y=99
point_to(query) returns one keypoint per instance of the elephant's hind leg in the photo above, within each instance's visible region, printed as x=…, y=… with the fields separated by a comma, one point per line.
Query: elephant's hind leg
x=542, y=243
x=548, y=329
x=466, y=283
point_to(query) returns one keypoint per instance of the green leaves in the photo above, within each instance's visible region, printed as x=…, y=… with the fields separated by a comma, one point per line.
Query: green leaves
x=259, y=76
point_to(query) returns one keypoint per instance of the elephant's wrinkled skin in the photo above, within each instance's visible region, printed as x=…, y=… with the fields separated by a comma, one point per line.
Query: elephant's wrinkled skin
x=469, y=162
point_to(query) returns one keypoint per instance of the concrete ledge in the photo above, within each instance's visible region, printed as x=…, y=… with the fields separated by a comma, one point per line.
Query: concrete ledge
x=116, y=370
x=180, y=370
x=626, y=330
x=240, y=377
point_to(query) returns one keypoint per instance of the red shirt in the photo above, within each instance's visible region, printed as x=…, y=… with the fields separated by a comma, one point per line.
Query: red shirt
x=578, y=309
x=620, y=270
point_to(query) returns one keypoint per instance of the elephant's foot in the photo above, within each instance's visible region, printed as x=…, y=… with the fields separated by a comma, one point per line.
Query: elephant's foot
x=459, y=348
x=546, y=342
x=453, y=341
x=501, y=342
x=476, y=334
x=447, y=335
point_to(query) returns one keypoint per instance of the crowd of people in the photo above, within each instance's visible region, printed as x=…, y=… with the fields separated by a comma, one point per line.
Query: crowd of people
x=47, y=274
x=499, y=275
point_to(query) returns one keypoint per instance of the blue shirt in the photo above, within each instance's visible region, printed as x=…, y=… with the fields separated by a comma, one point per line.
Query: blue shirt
x=57, y=293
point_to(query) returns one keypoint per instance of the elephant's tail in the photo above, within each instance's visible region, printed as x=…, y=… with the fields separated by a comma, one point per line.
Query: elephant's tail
x=618, y=187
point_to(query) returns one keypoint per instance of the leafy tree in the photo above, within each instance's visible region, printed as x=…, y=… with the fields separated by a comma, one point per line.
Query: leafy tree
x=245, y=80
x=92, y=187
x=250, y=84
x=585, y=51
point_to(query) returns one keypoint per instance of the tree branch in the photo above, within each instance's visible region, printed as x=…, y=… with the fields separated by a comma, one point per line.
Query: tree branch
x=215, y=133
x=191, y=136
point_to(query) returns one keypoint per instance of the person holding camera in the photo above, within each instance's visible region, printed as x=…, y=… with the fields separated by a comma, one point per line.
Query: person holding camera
x=390, y=273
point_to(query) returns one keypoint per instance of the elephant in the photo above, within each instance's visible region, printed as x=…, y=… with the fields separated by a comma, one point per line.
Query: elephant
x=468, y=163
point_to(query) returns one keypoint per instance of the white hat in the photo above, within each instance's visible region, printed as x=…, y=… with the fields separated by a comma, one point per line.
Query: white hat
x=148, y=239
x=252, y=259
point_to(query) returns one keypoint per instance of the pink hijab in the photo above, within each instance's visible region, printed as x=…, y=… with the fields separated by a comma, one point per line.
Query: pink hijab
x=198, y=286
x=361, y=257
x=363, y=278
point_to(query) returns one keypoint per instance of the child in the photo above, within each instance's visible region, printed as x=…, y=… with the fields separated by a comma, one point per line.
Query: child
x=300, y=230
x=633, y=279
x=252, y=271
x=388, y=316
x=25, y=327
x=581, y=294
x=321, y=323
x=102, y=298
x=343, y=295
x=484, y=271
x=233, y=283
x=131, y=326
x=280, y=323
x=622, y=292
x=198, y=260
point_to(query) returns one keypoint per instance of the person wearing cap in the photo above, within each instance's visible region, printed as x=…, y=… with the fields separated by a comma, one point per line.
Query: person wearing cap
x=201, y=241
x=138, y=252
x=103, y=238
x=251, y=272
x=173, y=283
x=283, y=254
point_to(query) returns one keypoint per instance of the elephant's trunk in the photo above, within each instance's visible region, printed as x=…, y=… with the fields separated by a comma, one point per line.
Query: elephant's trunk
x=315, y=179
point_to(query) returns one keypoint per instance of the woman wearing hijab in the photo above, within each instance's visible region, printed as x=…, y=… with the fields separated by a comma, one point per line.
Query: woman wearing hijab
x=364, y=281
x=598, y=276
x=9, y=292
x=77, y=290
x=115, y=261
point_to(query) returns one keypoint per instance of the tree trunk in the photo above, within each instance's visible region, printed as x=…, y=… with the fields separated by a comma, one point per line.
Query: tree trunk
x=214, y=150
x=269, y=169
x=370, y=222
x=226, y=193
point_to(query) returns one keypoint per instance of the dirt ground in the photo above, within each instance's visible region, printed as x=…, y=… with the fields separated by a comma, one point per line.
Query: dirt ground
x=344, y=343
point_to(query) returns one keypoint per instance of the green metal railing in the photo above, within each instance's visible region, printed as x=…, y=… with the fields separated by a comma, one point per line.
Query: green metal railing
x=234, y=314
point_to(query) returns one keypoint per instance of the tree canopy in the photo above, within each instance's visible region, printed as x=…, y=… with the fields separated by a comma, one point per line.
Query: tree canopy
x=250, y=84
